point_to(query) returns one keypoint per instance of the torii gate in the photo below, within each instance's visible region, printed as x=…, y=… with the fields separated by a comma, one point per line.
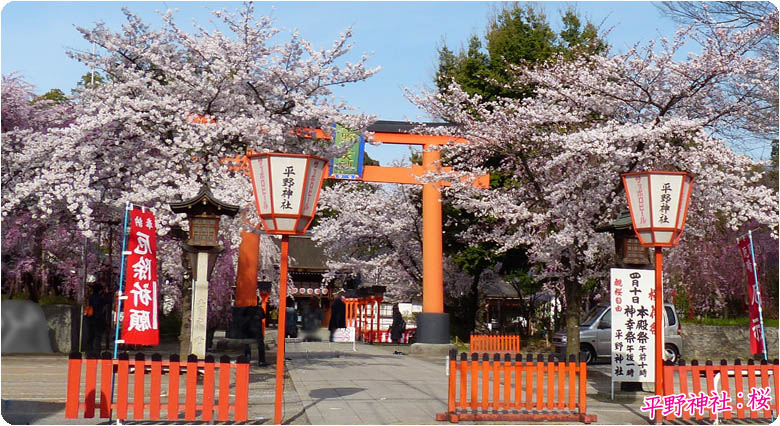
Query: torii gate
x=433, y=322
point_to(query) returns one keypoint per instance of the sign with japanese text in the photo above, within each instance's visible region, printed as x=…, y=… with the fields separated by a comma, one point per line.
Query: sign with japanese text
x=349, y=165
x=139, y=313
x=658, y=204
x=633, y=325
x=756, y=337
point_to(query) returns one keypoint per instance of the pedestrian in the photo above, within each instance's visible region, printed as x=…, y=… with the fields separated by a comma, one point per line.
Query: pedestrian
x=290, y=319
x=252, y=328
x=312, y=320
x=257, y=323
x=397, y=328
x=96, y=317
x=338, y=315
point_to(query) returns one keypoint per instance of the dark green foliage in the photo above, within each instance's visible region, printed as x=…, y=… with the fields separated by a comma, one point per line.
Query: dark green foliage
x=515, y=35
x=53, y=95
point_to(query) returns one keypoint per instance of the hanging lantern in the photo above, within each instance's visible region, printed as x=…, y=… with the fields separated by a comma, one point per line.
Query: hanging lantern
x=287, y=188
x=658, y=202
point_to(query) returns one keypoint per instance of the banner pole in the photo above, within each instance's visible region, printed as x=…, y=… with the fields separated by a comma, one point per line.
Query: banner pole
x=128, y=207
x=120, y=295
x=757, y=292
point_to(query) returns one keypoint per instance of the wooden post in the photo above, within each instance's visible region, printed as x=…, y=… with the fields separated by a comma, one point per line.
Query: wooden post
x=659, y=331
x=280, y=331
x=433, y=282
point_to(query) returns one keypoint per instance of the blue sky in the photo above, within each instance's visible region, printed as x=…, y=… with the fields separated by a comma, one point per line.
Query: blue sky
x=403, y=37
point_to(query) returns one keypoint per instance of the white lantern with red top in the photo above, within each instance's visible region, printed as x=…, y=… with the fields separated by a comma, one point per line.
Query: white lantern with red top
x=287, y=188
x=658, y=202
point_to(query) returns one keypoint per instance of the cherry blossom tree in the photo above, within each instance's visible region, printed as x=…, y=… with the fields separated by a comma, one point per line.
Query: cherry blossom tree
x=39, y=256
x=171, y=105
x=377, y=230
x=592, y=119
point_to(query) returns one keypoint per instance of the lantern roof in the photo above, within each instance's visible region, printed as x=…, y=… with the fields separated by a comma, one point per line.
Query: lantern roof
x=621, y=224
x=204, y=203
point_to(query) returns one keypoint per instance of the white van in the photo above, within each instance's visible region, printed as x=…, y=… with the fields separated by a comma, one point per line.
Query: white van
x=596, y=335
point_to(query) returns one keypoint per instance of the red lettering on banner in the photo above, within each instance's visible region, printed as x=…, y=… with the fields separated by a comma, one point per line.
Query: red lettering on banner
x=139, y=319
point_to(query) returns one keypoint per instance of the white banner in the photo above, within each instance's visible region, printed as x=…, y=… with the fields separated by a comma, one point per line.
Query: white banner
x=344, y=335
x=632, y=298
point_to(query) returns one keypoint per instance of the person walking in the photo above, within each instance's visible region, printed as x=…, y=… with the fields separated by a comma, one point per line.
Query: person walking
x=96, y=317
x=252, y=328
x=312, y=320
x=338, y=315
x=397, y=328
x=290, y=319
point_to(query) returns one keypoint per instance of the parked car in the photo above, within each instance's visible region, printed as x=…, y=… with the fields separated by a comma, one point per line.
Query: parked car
x=596, y=335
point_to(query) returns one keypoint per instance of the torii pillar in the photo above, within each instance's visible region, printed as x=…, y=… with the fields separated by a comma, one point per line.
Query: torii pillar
x=433, y=325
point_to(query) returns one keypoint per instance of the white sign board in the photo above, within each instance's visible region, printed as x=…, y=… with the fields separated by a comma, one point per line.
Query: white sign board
x=344, y=335
x=632, y=297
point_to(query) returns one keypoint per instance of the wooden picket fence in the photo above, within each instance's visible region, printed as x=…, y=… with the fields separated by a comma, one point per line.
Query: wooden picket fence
x=494, y=343
x=515, y=390
x=736, y=380
x=147, y=401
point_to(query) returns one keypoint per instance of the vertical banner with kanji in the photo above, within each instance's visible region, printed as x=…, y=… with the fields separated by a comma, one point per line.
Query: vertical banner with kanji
x=756, y=336
x=632, y=297
x=349, y=165
x=139, y=313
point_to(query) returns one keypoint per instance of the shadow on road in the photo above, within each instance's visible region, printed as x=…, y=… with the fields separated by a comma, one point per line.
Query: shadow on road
x=21, y=412
x=319, y=395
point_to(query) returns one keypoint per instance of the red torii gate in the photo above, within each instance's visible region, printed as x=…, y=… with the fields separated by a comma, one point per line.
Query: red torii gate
x=433, y=322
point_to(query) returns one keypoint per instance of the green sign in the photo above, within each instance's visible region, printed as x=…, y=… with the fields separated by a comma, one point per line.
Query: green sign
x=350, y=165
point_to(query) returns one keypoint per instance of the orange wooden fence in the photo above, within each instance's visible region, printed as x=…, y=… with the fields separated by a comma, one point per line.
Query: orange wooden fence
x=383, y=336
x=363, y=314
x=145, y=399
x=513, y=390
x=738, y=381
x=494, y=343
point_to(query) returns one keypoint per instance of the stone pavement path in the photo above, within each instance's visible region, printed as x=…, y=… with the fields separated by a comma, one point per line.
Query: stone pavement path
x=326, y=383
x=369, y=386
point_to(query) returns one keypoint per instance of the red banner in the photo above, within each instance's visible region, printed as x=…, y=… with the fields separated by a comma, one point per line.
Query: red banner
x=139, y=315
x=756, y=338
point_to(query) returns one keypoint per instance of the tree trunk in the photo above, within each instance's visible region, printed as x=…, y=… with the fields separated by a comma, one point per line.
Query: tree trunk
x=573, y=309
x=474, y=308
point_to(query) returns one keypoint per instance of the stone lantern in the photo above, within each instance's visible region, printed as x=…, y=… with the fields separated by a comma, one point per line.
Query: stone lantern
x=629, y=252
x=203, y=212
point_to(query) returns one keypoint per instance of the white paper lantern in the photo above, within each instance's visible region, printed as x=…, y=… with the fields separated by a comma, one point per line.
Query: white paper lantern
x=658, y=202
x=287, y=188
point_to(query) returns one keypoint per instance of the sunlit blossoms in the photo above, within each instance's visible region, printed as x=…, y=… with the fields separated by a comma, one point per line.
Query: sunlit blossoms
x=377, y=230
x=174, y=103
x=562, y=151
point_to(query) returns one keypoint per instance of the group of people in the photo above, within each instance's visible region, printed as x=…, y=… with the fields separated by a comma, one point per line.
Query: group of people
x=99, y=303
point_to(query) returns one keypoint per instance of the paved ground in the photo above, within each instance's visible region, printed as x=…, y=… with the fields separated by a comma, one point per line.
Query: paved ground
x=326, y=383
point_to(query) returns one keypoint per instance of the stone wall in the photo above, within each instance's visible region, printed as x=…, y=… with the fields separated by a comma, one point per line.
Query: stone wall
x=703, y=342
x=64, y=322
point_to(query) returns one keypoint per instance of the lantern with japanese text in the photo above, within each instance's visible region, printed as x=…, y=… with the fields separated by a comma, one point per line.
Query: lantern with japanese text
x=286, y=187
x=658, y=202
